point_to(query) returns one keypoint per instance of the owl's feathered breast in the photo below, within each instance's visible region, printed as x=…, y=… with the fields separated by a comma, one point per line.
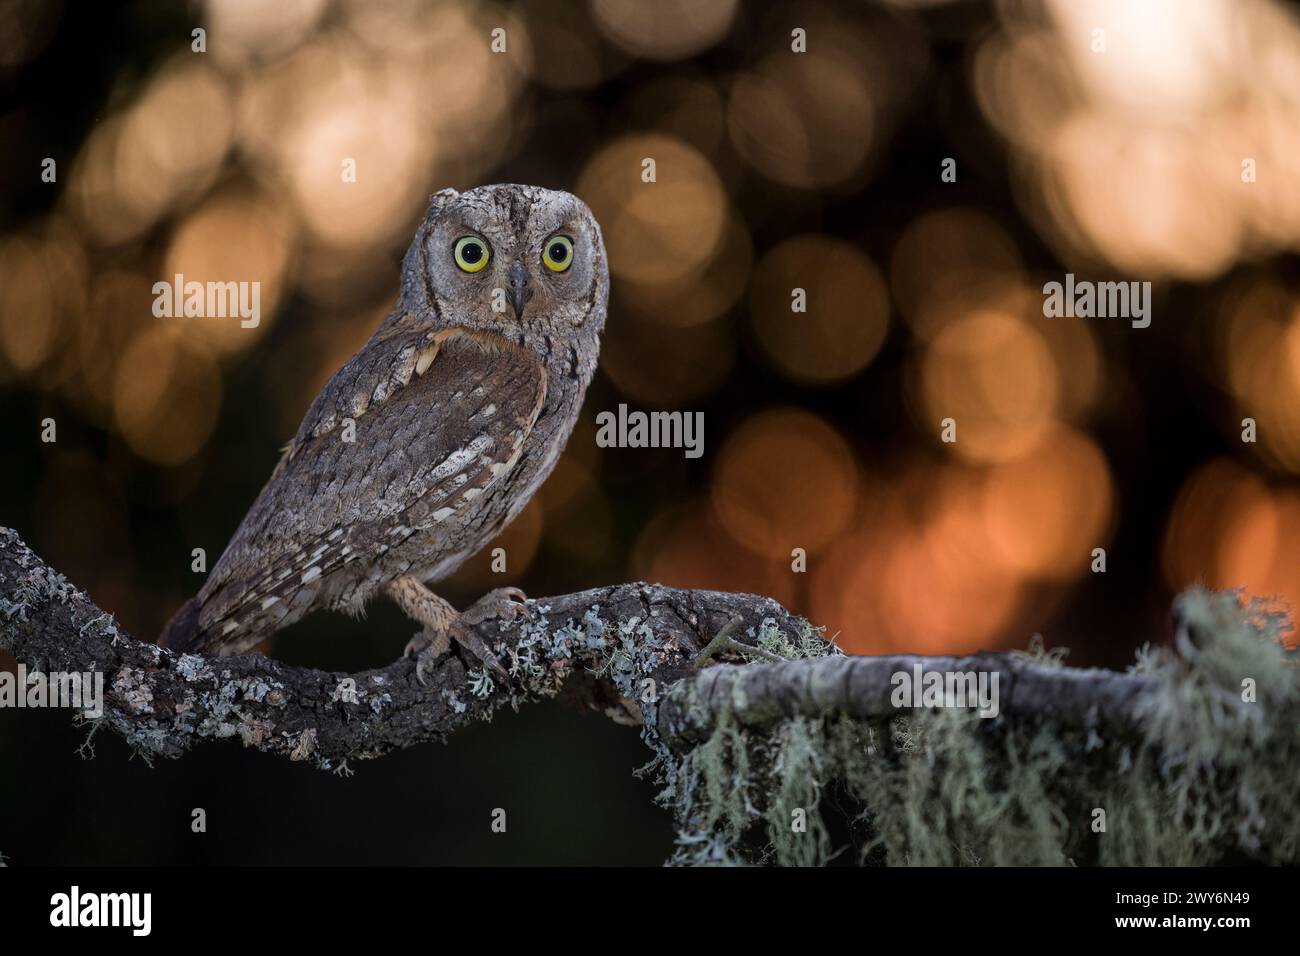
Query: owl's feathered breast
x=399, y=445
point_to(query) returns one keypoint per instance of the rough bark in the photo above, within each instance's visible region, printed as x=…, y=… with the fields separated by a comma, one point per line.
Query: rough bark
x=760, y=695
x=616, y=647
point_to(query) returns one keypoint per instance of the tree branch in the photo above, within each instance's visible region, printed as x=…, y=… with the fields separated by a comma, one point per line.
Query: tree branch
x=617, y=648
x=760, y=695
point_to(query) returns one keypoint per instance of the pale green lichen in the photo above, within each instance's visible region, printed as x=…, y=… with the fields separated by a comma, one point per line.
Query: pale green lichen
x=1207, y=776
x=1038, y=653
x=808, y=643
x=795, y=827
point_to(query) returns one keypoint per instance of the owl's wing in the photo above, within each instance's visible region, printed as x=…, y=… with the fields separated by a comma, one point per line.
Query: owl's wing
x=412, y=429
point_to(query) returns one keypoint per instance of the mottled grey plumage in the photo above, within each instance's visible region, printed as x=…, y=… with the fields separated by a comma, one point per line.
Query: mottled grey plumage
x=459, y=406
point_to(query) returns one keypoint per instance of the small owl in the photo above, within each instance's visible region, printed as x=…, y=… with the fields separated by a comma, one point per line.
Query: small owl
x=432, y=438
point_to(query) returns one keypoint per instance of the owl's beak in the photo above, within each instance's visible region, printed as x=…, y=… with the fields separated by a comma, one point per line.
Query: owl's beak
x=520, y=293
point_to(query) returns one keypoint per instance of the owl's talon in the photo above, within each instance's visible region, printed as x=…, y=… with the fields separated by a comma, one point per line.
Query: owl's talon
x=426, y=647
x=442, y=623
x=422, y=662
x=427, y=640
x=465, y=636
x=505, y=604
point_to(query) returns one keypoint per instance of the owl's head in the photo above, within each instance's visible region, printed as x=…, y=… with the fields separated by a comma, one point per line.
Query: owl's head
x=524, y=262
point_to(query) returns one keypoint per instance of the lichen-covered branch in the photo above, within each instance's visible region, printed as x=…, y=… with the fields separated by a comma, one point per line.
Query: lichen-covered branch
x=758, y=696
x=624, y=645
x=1187, y=757
x=608, y=641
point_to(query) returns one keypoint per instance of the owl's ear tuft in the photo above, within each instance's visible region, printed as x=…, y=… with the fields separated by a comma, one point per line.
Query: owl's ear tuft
x=437, y=201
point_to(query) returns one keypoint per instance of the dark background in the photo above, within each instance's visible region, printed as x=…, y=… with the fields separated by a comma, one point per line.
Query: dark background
x=167, y=431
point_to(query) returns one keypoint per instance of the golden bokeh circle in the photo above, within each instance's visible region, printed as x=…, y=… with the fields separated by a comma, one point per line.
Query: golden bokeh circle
x=785, y=479
x=702, y=297
x=241, y=237
x=655, y=232
x=993, y=374
x=1229, y=528
x=684, y=545
x=167, y=396
x=1047, y=510
x=1261, y=356
x=846, y=303
x=946, y=257
x=42, y=293
x=803, y=121
x=665, y=29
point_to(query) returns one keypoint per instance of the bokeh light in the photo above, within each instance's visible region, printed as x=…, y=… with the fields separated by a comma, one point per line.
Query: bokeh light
x=1231, y=529
x=42, y=294
x=667, y=30
x=1260, y=340
x=662, y=231
x=785, y=480
x=803, y=122
x=236, y=234
x=1120, y=112
x=991, y=373
x=298, y=152
x=167, y=396
x=1048, y=510
x=946, y=257
x=842, y=318
x=684, y=545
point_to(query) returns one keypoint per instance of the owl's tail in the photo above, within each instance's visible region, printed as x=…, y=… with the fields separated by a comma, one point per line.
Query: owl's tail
x=182, y=632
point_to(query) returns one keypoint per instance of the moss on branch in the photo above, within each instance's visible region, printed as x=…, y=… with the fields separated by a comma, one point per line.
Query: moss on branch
x=790, y=753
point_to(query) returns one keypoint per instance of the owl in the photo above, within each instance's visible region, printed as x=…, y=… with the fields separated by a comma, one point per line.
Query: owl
x=432, y=438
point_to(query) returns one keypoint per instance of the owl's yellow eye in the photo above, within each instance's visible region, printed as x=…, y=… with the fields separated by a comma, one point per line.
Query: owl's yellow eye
x=471, y=253
x=558, y=254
